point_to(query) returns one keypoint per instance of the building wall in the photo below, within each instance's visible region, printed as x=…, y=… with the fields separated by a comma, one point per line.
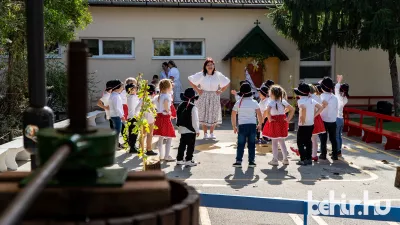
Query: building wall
x=366, y=72
x=222, y=29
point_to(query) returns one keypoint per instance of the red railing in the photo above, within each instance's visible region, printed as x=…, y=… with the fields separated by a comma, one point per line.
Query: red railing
x=378, y=117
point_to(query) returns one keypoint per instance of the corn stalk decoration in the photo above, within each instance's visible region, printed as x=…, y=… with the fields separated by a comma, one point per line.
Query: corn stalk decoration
x=141, y=125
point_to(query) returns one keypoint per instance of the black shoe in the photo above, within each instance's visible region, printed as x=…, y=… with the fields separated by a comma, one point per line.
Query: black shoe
x=322, y=157
x=121, y=146
x=133, y=151
x=151, y=153
x=308, y=161
x=237, y=164
x=334, y=158
x=252, y=164
x=301, y=163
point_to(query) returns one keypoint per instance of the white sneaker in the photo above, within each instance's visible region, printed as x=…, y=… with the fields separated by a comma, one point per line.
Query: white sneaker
x=191, y=163
x=206, y=136
x=169, y=159
x=285, y=162
x=180, y=162
x=212, y=136
x=274, y=162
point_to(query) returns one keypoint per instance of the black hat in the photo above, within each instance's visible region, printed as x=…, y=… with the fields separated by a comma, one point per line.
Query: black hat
x=263, y=91
x=115, y=84
x=189, y=95
x=269, y=83
x=344, y=88
x=109, y=85
x=302, y=90
x=152, y=89
x=128, y=87
x=319, y=88
x=327, y=84
x=245, y=90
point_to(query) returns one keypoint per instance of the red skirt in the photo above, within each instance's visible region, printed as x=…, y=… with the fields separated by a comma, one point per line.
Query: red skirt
x=277, y=128
x=173, y=111
x=164, y=125
x=319, y=126
x=125, y=107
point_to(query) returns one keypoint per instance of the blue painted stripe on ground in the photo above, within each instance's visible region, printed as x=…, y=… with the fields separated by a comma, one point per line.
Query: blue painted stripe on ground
x=297, y=207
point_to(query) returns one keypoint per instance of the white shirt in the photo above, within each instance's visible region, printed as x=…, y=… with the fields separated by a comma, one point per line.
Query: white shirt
x=133, y=102
x=159, y=102
x=329, y=114
x=163, y=75
x=281, y=107
x=342, y=100
x=124, y=97
x=149, y=116
x=115, y=104
x=195, y=122
x=309, y=104
x=316, y=98
x=263, y=105
x=105, y=99
x=209, y=82
x=247, y=110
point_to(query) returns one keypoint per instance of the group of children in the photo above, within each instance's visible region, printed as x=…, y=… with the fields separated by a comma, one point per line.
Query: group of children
x=122, y=106
x=320, y=114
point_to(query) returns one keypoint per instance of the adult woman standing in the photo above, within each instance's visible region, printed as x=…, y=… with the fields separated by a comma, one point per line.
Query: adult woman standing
x=173, y=74
x=165, y=70
x=209, y=83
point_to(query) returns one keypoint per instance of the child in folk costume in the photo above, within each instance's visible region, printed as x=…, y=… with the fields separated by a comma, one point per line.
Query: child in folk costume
x=264, y=101
x=188, y=126
x=103, y=102
x=133, y=102
x=277, y=125
x=150, y=119
x=309, y=109
x=329, y=116
x=342, y=94
x=116, y=108
x=163, y=120
x=248, y=112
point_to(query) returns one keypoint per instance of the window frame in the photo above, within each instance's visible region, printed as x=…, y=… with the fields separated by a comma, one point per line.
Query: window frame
x=330, y=63
x=173, y=56
x=111, y=56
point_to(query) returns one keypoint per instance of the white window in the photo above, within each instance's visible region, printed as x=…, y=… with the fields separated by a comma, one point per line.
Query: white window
x=178, y=49
x=110, y=48
x=52, y=51
x=316, y=64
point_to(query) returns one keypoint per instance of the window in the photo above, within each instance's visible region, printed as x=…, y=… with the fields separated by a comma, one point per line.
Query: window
x=316, y=64
x=178, y=48
x=110, y=48
x=52, y=50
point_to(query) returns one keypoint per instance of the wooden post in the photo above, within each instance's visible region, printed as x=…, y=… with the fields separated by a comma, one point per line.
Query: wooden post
x=397, y=179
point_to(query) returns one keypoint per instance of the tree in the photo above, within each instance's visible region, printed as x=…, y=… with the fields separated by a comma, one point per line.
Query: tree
x=61, y=19
x=358, y=24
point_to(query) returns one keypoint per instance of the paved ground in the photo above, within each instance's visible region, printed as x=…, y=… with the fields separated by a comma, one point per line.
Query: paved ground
x=364, y=167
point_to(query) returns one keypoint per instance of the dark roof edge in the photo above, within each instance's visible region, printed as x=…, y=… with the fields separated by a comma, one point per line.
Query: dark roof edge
x=182, y=5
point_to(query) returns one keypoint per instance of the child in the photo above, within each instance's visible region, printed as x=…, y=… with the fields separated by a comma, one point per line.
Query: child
x=133, y=102
x=115, y=103
x=155, y=82
x=342, y=93
x=248, y=110
x=103, y=102
x=329, y=116
x=264, y=100
x=163, y=120
x=268, y=83
x=307, y=113
x=319, y=126
x=188, y=127
x=150, y=120
x=277, y=125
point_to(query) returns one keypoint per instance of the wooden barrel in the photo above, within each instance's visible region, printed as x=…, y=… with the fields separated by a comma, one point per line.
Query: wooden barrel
x=147, y=198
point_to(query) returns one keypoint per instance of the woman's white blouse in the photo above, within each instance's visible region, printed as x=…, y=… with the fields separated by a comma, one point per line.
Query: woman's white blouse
x=209, y=82
x=174, y=72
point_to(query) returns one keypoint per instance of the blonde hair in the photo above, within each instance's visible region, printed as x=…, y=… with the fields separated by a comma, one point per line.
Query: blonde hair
x=130, y=80
x=313, y=89
x=165, y=84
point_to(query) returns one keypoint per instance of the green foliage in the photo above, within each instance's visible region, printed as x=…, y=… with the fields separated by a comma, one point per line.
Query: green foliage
x=141, y=127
